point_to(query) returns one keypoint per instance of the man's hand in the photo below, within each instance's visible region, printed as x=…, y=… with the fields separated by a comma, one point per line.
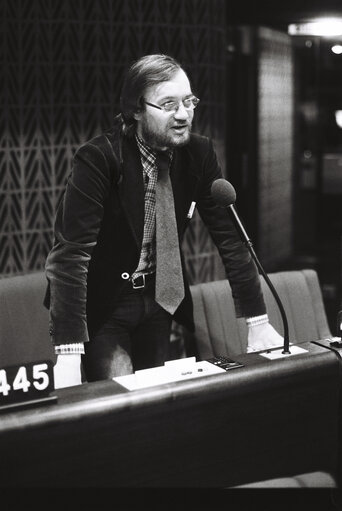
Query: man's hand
x=262, y=337
x=67, y=371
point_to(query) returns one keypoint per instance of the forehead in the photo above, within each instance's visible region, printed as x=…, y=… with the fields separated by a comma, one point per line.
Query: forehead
x=178, y=85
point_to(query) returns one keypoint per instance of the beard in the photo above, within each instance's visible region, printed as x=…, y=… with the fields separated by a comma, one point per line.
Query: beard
x=174, y=135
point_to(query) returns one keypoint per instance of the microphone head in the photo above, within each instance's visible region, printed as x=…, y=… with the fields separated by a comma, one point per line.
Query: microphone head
x=223, y=193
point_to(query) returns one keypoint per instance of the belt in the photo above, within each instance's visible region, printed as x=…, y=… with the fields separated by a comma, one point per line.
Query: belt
x=141, y=281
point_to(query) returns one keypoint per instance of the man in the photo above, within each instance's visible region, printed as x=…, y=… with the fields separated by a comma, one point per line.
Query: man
x=106, y=269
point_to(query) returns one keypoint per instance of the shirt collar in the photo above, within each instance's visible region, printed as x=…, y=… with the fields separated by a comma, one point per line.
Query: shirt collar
x=147, y=151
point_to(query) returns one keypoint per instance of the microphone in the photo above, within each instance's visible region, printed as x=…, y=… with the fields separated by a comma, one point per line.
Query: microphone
x=224, y=195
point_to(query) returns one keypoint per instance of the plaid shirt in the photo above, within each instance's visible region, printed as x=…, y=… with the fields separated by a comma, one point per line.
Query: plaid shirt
x=147, y=262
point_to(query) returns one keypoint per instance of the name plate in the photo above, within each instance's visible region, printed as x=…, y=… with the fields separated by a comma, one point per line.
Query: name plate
x=26, y=384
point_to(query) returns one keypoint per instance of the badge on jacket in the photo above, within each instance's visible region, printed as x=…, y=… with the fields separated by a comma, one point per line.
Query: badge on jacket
x=191, y=210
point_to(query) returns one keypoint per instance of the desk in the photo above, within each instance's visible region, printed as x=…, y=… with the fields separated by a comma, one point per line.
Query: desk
x=266, y=419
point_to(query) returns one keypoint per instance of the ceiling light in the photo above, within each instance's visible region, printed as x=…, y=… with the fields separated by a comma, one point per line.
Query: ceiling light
x=337, y=49
x=338, y=118
x=326, y=27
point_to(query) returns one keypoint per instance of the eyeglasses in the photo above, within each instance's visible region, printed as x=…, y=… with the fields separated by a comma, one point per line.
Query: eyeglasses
x=173, y=106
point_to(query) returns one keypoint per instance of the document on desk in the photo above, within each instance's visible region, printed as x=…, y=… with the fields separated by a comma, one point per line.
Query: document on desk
x=172, y=371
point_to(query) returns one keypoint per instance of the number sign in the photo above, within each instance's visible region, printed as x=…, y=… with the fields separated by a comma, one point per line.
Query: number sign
x=26, y=382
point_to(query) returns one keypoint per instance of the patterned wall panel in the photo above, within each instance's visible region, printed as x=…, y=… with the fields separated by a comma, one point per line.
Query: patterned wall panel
x=62, y=64
x=275, y=147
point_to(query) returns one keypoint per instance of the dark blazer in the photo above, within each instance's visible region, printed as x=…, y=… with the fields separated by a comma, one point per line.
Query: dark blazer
x=99, y=231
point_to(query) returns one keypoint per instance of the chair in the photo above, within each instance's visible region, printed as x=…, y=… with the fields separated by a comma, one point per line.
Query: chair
x=219, y=332
x=24, y=325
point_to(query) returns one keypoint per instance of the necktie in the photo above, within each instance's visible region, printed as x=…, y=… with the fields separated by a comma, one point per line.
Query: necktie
x=169, y=277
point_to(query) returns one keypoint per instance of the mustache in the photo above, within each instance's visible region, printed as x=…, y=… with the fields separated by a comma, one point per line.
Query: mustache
x=181, y=124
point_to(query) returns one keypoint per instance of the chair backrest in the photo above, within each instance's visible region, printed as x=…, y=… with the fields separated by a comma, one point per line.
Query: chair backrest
x=219, y=332
x=24, y=331
x=24, y=321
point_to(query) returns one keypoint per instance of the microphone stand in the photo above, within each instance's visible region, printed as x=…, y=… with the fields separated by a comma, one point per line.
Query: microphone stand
x=249, y=244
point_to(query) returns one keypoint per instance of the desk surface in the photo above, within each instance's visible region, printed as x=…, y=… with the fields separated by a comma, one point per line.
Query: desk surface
x=266, y=419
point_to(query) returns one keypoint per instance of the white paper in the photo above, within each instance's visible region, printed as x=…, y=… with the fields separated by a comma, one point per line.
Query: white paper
x=278, y=353
x=173, y=370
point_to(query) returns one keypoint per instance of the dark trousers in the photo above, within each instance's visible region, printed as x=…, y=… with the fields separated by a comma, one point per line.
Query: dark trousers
x=135, y=336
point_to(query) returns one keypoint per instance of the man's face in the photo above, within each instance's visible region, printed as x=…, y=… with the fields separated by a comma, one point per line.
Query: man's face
x=160, y=129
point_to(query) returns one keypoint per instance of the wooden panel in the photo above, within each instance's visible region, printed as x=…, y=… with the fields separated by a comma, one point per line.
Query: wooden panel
x=275, y=148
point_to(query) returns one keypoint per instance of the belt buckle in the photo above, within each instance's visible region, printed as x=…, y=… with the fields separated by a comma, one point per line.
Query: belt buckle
x=137, y=286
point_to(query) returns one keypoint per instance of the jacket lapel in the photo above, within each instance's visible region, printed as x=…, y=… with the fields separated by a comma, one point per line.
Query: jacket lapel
x=131, y=188
x=184, y=178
